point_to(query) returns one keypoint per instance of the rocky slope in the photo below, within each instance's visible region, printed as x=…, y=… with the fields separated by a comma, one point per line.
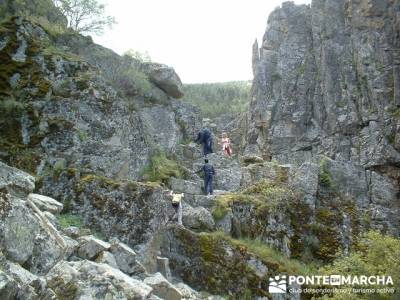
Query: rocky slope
x=74, y=110
x=39, y=261
x=316, y=164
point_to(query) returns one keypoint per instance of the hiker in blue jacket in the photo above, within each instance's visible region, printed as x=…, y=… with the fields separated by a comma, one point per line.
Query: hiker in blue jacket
x=209, y=174
x=205, y=137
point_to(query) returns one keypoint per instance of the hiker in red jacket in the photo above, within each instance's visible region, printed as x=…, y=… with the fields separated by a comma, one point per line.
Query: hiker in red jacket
x=226, y=144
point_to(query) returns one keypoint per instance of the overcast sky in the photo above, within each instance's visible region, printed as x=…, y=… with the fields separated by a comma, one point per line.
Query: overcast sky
x=204, y=40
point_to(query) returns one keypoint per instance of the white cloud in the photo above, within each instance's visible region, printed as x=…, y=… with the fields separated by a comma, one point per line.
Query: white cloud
x=205, y=41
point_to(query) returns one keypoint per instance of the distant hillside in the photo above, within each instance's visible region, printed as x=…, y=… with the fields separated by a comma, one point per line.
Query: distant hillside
x=215, y=99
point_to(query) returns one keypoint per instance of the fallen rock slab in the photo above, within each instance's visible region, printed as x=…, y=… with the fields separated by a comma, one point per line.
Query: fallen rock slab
x=126, y=258
x=90, y=280
x=90, y=247
x=106, y=257
x=162, y=287
x=45, y=203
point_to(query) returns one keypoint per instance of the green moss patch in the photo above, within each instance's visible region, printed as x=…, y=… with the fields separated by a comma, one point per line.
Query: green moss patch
x=223, y=265
x=68, y=219
x=161, y=169
x=265, y=196
x=325, y=178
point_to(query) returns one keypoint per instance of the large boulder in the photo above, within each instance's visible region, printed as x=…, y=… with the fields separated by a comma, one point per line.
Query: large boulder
x=198, y=218
x=106, y=257
x=18, y=231
x=187, y=292
x=125, y=258
x=22, y=284
x=28, y=238
x=165, y=78
x=305, y=179
x=90, y=280
x=16, y=181
x=90, y=247
x=162, y=288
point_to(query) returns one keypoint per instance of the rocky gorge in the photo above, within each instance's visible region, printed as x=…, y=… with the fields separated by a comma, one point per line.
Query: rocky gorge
x=91, y=141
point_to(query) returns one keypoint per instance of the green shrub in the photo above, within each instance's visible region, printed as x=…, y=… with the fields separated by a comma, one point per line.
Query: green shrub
x=134, y=82
x=82, y=134
x=265, y=253
x=325, y=178
x=161, y=169
x=376, y=254
x=59, y=166
x=395, y=112
x=126, y=75
x=140, y=56
x=51, y=28
x=23, y=158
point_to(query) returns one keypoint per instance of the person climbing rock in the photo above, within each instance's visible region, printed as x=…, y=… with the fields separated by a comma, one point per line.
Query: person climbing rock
x=205, y=137
x=176, y=200
x=209, y=173
x=226, y=144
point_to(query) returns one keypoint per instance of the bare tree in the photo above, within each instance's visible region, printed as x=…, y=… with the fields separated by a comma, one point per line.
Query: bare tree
x=85, y=16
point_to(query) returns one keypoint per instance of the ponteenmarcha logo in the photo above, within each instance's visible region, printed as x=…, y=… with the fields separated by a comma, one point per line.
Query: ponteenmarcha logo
x=277, y=284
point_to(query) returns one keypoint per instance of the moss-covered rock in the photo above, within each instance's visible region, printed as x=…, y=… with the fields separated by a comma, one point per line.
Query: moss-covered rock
x=129, y=210
x=219, y=264
x=279, y=216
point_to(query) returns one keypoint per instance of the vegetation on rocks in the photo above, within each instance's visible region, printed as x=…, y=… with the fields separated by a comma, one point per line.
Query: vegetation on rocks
x=126, y=75
x=161, y=169
x=265, y=196
x=376, y=254
x=68, y=219
x=274, y=257
x=42, y=11
x=225, y=264
x=324, y=175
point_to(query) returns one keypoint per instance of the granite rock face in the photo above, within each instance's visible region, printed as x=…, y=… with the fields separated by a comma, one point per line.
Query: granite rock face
x=326, y=82
x=76, y=112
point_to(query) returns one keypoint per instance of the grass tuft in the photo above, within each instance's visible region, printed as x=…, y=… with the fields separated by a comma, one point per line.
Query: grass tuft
x=161, y=169
x=68, y=220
